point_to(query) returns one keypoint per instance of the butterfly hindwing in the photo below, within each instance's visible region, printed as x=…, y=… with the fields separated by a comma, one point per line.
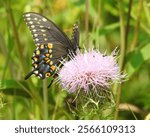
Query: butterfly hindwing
x=75, y=36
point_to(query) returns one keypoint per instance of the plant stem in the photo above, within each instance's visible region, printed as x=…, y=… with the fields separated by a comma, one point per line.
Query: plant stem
x=45, y=99
x=128, y=23
x=122, y=35
x=124, y=40
x=14, y=28
x=137, y=25
x=34, y=94
x=147, y=13
x=86, y=23
x=122, y=54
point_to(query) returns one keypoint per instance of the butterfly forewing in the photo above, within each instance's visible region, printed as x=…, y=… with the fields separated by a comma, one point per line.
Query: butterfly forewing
x=44, y=30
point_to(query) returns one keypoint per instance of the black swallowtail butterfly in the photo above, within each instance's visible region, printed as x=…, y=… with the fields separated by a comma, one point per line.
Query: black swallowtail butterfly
x=52, y=44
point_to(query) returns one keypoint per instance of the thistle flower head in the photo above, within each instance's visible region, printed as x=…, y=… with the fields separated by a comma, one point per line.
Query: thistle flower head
x=89, y=70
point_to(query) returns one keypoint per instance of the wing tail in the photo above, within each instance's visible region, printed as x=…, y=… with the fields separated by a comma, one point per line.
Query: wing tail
x=29, y=75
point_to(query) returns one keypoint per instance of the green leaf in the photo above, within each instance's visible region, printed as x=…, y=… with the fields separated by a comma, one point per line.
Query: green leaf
x=13, y=87
x=137, y=58
x=108, y=29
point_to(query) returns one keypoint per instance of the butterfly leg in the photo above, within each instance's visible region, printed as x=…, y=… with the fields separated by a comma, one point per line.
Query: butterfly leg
x=50, y=83
x=54, y=76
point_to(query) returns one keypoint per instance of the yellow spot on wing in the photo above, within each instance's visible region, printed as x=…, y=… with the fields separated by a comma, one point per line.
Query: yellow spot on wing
x=35, y=18
x=28, y=18
x=44, y=19
x=51, y=56
x=46, y=59
x=45, y=39
x=32, y=26
x=36, y=72
x=53, y=67
x=35, y=58
x=27, y=15
x=35, y=35
x=37, y=52
x=51, y=63
x=43, y=30
x=44, y=35
x=42, y=46
x=47, y=54
x=30, y=22
x=35, y=65
x=34, y=30
x=50, y=51
x=50, y=45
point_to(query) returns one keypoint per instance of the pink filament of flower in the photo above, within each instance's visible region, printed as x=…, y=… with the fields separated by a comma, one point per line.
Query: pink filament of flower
x=89, y=69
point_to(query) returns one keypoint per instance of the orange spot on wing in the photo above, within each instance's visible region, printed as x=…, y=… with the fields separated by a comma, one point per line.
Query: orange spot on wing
x=47, y=74
x=46, y=59
x=50, y=45
x=53, y=67
x=47, y=55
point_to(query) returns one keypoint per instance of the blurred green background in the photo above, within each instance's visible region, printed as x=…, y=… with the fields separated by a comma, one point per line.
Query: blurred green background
x=104, y=25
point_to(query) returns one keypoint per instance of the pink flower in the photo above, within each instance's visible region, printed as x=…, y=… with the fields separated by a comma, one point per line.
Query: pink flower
x=88, y=71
